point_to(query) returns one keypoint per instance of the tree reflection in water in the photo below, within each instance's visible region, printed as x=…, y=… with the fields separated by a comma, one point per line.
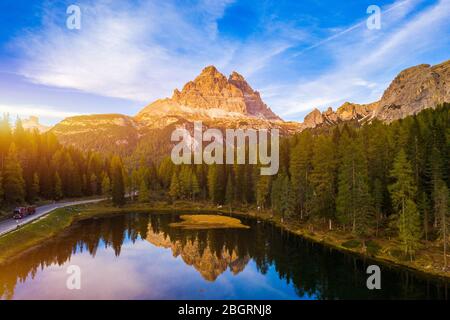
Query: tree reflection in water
x=314, y=270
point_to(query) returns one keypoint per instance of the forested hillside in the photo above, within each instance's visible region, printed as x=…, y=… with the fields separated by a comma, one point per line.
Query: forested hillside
x=36, y=166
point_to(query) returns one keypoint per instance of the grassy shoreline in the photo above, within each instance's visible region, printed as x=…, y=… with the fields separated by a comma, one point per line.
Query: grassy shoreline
x=14, y=243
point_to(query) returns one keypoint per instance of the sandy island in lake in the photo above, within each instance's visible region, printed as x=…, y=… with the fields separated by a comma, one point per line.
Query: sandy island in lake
x=204, y=221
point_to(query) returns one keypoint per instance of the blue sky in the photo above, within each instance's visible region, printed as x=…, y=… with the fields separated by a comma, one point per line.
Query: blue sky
x=298, y=54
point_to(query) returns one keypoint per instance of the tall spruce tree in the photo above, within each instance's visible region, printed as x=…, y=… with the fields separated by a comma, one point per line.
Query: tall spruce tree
x=403, y=192
x=175, y=189
x=229, y=192
x=144, y=192
x=1, y=189
x=263, y=191
x=117, y=182
x=13, y=184
x=106, y=186
x=57, y=191
x=300, y=168
x=195, y=185
x=353, y=201
x=34, y=191
x=322, y=179
x=442, y=211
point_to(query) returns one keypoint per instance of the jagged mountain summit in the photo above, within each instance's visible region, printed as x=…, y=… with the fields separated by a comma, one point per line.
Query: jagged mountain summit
x=210, y=96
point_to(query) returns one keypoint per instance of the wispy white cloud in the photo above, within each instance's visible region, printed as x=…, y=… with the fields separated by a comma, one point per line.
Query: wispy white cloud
x=137, y=52
x=35, y=110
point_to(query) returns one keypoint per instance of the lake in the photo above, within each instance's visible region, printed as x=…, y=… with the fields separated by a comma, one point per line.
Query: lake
x=139, y=256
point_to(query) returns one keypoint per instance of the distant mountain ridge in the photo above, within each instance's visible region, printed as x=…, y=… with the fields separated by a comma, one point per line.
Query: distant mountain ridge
x=222, y=102
x=413, y=90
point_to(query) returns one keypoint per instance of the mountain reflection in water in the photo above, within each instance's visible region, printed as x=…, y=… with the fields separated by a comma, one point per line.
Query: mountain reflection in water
x=139, y=256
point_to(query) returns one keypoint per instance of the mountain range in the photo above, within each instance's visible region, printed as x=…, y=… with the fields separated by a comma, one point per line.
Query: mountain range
x=222, y=102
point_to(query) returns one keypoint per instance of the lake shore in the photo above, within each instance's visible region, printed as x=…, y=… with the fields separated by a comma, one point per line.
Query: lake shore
x=428, y=259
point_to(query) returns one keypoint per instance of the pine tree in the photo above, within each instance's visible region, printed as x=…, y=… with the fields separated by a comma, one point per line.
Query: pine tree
x=117, y=182
x=353, y=201
x=93, y=184
x=19, y=134
x=378, y=198
x=185, y=180
x=282, y=198
x=14, y=184
x=144, y=193
x=263, y=191
x=165, y=172
x=403, y=191
x=213, y=183
x=58, y=193
x=442, y=211
x=136, y=180
x=424, y=209
x=195, y=185
x=229, y=192
x=300, y=170
x=409, y=228
x=106, y=186
x=1, y=189
x=34, y=187
x=322, y=179
x=5, y=139
x=174, y=190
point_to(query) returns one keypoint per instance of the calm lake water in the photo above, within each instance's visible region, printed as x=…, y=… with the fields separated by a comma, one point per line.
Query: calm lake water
x=139, y=256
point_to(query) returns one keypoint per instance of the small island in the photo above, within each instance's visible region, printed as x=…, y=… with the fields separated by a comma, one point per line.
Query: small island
x=204, y=221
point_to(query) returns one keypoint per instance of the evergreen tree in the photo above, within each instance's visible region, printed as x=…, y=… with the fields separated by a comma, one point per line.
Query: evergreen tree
x=58, y=193
x=300, y=169
x=144, y=193
x=353, y=201
x=93, y=184
x=117, y=182
x=13, y=184
x=378, y=199
x=229, y=192
x=185, y=180
x=34, y=188
x=409, y=228
x=174, y=190
x=20, y=138
x=322, y=179
x=424, y=209
x=165, y=172
x=403, y=191
x=263, y=191
x=441, y=207
x=137, y=177
x=215, y=183
x=106, y=186
x=1, y=189
x=5, y=139
x=282, y=198
x=195, y=186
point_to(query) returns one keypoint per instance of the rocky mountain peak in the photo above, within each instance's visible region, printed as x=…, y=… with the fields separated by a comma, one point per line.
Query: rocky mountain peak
x=212, y=95
x=415, y=89
x=234, y=76
x=313, y=119
x=33, y=123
